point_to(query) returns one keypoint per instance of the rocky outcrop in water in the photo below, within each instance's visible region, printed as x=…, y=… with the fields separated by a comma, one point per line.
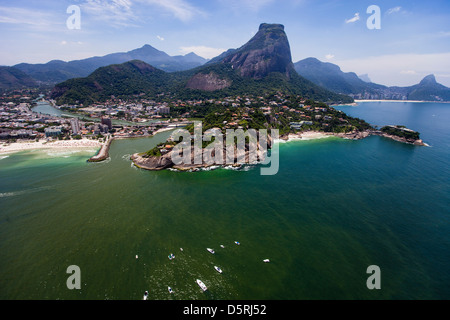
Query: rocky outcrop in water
x=156, y=163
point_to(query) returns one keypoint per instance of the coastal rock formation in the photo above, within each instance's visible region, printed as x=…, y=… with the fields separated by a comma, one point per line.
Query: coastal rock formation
x=157, y=163
x=152, y=163
x=416, y=142
x=356, y=135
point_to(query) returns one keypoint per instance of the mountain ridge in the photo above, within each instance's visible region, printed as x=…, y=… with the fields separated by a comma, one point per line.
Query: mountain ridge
x=56, y=71
x=331, y=77
x=13, y=78
x=263, y=64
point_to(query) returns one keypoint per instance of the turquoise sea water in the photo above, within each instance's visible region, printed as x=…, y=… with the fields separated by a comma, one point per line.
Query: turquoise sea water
x=334, y=208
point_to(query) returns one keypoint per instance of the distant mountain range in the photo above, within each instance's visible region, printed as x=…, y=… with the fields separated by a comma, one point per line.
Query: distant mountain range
x=331, y=77
x=262, y=65
x=57, y=71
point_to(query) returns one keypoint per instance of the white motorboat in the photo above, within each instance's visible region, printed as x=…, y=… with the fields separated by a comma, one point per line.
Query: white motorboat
x=171, y=256
x=201, y=285
x=218, y=269
x=222, y=246
x=145, y=295
x=210, y=250
x=238, y=243
x=170, y=289
x=266, y=260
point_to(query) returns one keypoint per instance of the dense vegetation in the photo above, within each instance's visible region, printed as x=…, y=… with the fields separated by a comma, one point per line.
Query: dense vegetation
x=288, y=109
x=136, y=78
x=13, y=78
x=401, y=131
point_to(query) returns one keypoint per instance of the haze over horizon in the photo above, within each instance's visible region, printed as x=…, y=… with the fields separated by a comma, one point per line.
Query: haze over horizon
x=412, y=42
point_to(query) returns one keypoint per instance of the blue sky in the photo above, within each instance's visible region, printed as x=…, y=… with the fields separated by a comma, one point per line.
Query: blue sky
x=414, y=39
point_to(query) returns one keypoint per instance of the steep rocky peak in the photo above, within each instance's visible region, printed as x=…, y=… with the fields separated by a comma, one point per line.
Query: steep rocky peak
x=268, y=51
x=430, y=79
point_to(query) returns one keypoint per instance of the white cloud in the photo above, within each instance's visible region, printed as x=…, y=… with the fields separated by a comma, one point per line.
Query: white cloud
x=180, y=9
x=114, y=12
x=202, y=51
x=64, y=42
x=408, y=72
x=33, y=17
x=394, y=10
x=329, y=56
x=160, y=38
x=354, y=19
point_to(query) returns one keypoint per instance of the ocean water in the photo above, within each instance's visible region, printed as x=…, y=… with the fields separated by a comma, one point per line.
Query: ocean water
x=334, y=208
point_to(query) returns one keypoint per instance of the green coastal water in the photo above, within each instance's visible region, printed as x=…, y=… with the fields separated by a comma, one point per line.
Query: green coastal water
x=334, y=208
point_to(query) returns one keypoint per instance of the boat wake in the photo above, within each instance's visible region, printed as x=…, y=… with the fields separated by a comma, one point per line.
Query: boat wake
x=22, y=192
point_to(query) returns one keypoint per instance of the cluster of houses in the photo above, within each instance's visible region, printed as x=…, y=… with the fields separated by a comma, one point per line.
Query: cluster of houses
x=136, y=111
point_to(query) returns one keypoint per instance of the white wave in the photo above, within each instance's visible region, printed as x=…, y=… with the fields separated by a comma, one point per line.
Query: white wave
x=211, y=168
x=3, y=157
x=126, y=157
x=235, y=168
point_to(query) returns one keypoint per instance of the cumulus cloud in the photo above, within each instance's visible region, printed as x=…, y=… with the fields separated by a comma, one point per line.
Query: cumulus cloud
x=329, y=56
x=354, y=19
x=160, y=38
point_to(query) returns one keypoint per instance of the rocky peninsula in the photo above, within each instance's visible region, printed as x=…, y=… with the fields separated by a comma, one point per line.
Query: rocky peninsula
x=164, y=160
x=355, y=135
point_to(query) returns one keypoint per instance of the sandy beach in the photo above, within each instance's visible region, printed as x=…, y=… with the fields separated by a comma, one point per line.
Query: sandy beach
x=54, y=145
x=309, y=135
x=165, y=129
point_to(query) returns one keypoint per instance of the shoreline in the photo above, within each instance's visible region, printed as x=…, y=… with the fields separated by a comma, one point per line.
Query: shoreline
x=358, y=135
x=415, y=101
x=60, y=145
x=45, y=145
